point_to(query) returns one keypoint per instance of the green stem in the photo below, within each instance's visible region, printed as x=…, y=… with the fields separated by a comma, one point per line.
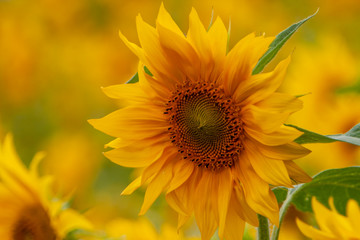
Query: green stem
x=283, y=209
x=286, y=204
x=263, y=229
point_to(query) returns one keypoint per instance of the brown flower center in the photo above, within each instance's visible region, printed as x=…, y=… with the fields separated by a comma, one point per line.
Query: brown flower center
x=205, y=125
x=33, y=224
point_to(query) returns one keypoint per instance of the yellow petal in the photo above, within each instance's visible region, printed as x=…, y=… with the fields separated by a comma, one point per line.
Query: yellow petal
x=241, y=60
x=238, y=201
x=118, y=143
x=176, y=203
x=280, y=136
x=323, y=215
x=131, y=93
x=353, y=213
x=296, y=173
x=314, y=233
x=340, y=225
x=132, y=122
x=237, y=68
x=218, y=41
x=287, y=151
x=183, y=196
x=257, y=192
x=260, y=46
x=13, y=173
x=130, y=157
x=169, y=154
x=204, y=208
x=182, y=171
x=218, y=38
x=133, y=47
x=281, y=102
x=261, y=86
x=179, y=53
x=225, y=186
x=132, y=186
x=155, y=58
x=144, y=143
x=156, y=186
x=272, y=171
x=234, y=226
x=262, y=120
x=34, y=165
x=198, y=37
x=166, y=20
x=154, y=88
x=70, y=220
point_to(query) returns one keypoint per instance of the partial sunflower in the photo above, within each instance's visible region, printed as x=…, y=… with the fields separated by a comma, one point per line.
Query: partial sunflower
x=27, y=209
x=203, y=128
x=333, y=225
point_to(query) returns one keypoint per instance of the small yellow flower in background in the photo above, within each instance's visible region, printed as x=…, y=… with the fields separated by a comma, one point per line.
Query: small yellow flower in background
x=141, y=229
x=204, y=129
x=27, y=209
x=333, y=225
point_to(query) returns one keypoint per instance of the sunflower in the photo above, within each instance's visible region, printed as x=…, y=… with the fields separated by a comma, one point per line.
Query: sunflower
x=203, y=128
x=333, y=225
x=27, y=212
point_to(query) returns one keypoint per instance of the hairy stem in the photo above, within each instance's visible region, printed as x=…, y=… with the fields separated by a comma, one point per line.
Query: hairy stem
x=286, y=204
x=263, y=229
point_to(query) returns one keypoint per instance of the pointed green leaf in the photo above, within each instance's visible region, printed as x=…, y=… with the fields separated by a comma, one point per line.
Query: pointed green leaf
x=341, y=184
x=352, y=136
x=276, y=45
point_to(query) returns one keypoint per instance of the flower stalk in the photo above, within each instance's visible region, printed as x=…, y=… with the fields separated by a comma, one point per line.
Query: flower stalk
x=263, y=229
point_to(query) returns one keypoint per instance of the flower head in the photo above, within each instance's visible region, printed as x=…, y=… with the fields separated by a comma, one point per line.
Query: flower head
x=203, y=128
x=333, y=225
x=27, y=209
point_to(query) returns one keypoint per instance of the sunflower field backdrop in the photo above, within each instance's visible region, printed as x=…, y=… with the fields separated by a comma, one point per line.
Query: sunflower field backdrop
x=57, y=56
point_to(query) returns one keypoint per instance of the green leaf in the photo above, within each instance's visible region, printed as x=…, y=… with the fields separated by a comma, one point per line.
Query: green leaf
x=352, y=136
x=341, y=184
x=135, y=78
x=276, y=45
x=280, y=193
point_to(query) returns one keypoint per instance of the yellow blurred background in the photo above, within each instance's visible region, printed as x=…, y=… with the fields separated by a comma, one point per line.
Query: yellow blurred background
x=55, y=55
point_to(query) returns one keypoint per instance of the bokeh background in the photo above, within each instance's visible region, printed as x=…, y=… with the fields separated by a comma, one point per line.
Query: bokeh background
x=55, y=55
